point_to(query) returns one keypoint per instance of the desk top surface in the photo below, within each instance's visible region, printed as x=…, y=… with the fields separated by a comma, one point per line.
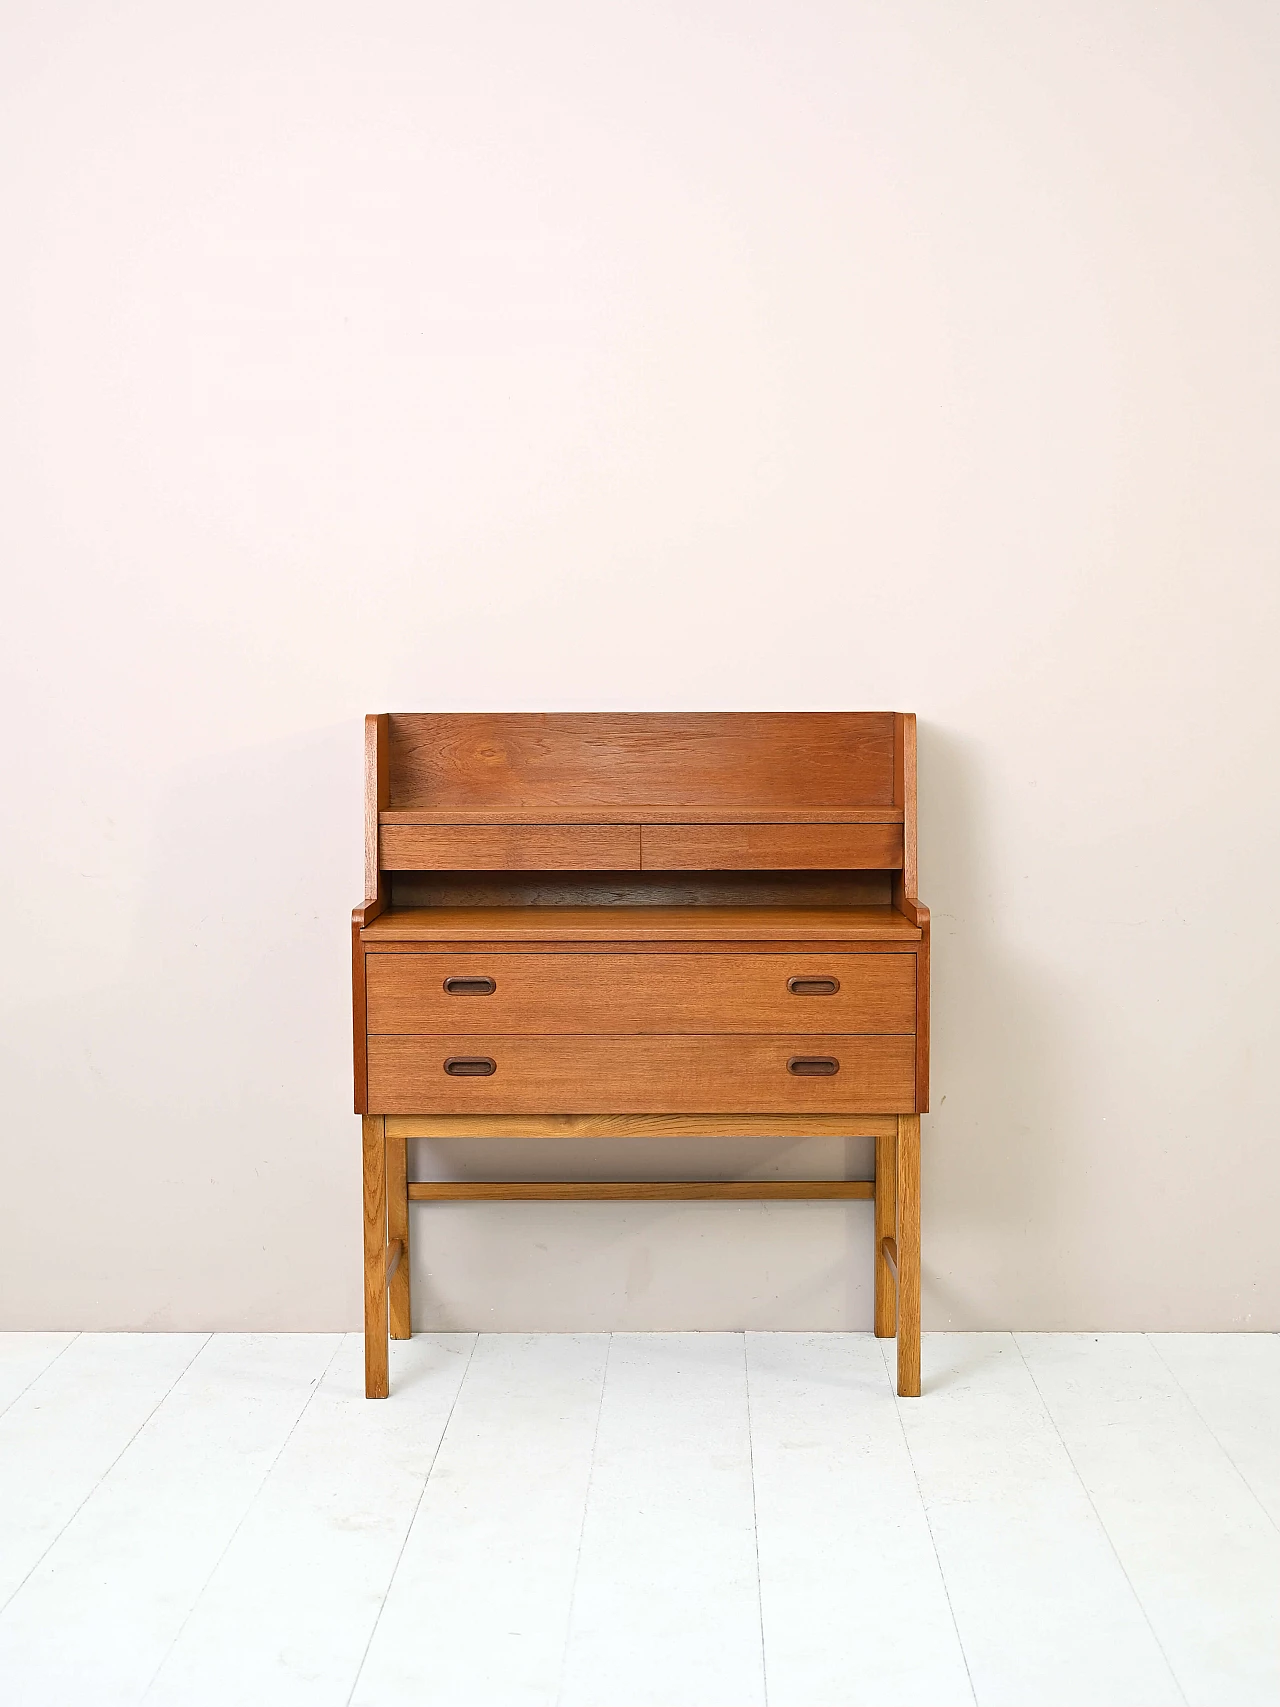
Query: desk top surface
x=641, y=924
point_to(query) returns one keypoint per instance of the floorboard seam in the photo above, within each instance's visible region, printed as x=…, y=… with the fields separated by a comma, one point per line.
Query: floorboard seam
x=41, y=1373
x=928, y=1521
x=1212, y=1433
x=1115, y=1551
x=249, y=1505
x=582, y=1527
x=755, y=1520
x=413, y=1518
x=102, y=1478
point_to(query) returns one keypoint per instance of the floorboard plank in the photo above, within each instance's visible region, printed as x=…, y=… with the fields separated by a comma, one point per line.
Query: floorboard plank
x=94, y=1620
x=1043, y=1608
x=1202, y=1554
x=59, y=1439
x=479, y=1605
x=666, y=1611
x=24, y=1359
x=287, y=1614
x=1233, y=1380
x=855, y=1608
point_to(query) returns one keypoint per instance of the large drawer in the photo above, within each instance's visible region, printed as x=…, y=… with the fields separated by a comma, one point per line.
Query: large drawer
x=641, y=1075
x=536, y=994
x=509, y=847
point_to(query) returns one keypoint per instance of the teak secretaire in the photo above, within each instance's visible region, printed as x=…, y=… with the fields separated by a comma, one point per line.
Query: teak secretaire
x=611, y=925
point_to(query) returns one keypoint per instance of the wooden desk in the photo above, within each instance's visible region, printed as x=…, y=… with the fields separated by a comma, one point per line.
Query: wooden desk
x=617, y=925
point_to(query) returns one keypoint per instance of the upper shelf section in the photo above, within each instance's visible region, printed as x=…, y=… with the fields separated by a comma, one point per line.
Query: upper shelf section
x=688, y=791
x=494, y=762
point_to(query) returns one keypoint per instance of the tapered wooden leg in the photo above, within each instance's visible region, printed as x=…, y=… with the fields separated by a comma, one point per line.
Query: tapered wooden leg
x=398, y=1228
x=886, y=1298
x=375, y=1257
x=909, y=1255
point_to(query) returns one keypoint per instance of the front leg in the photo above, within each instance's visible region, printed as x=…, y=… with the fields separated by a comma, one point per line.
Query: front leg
x=909, y=1256
x=375, y=1256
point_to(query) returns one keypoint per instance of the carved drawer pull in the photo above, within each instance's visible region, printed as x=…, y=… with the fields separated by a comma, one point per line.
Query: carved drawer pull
x=813, y=986
x=813, y=1066
x=470, y=986
x=470, y=1066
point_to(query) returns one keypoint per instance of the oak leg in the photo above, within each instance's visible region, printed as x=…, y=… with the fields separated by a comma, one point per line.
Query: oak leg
x=398, y=1229
x=375, y=1256
x=909, y=1255
x=886, y=1291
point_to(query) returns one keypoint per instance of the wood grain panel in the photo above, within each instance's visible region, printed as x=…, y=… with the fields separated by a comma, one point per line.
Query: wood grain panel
x=616, y=812
x=359, y=1021
x=510, y=847
x=860, y=1125
x=605, y=993
x=641, y=1191
x=640, y=924
x=641, y=1075
x=908, y=1256
x=374, y=1148
x=770, y=847
x=789, y=759
x=640, y=888
x=377, y=785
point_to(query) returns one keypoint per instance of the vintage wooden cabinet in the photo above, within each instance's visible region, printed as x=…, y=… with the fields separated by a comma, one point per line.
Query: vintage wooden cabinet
x=611, y=925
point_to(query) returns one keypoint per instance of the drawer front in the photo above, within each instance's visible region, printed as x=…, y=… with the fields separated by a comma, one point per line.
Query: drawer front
x=537, y=994
x=509, y=847
x=497, y=1074
x=771, y=847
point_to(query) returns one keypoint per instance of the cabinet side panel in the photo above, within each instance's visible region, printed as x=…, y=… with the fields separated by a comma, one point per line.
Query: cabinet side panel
x=904, y=795
x=922, y=1025
x=377, y=794
x=359, y=1023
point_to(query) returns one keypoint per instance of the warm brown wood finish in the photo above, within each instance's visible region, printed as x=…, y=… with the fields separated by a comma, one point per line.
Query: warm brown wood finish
x=654, y=925
x=727, y=1125
x=885, y=1288
x=376, y=794
x=620, y=812
x=907, y=1255
x=791, y=759
x=375, y=1261
x=702, y=925
x=829, y=889
x=510, y=847
x=534, y=995
x=771, y=847
x=359, y=1020
x=639, y=1191
x=642, y=1074
x=398, y=1300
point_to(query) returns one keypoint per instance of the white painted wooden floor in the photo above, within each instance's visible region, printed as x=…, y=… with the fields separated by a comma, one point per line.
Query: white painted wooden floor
x=686, y=1520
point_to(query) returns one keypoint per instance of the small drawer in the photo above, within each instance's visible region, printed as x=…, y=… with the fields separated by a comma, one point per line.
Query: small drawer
x=529, y=994
x=771, y=847
x=822, y=1073
x=509, y=847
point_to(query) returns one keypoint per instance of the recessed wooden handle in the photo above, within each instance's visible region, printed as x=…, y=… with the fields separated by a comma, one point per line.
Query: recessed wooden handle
x=470, y=1066
x=813, y=1066
x=814, y=986
x=470, y=986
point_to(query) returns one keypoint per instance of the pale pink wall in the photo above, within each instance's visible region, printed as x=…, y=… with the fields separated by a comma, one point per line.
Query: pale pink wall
x=391, y=356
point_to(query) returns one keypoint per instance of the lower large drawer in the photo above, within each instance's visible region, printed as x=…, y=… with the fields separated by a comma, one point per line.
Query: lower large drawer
x=540, y=993
x=493, y=1074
